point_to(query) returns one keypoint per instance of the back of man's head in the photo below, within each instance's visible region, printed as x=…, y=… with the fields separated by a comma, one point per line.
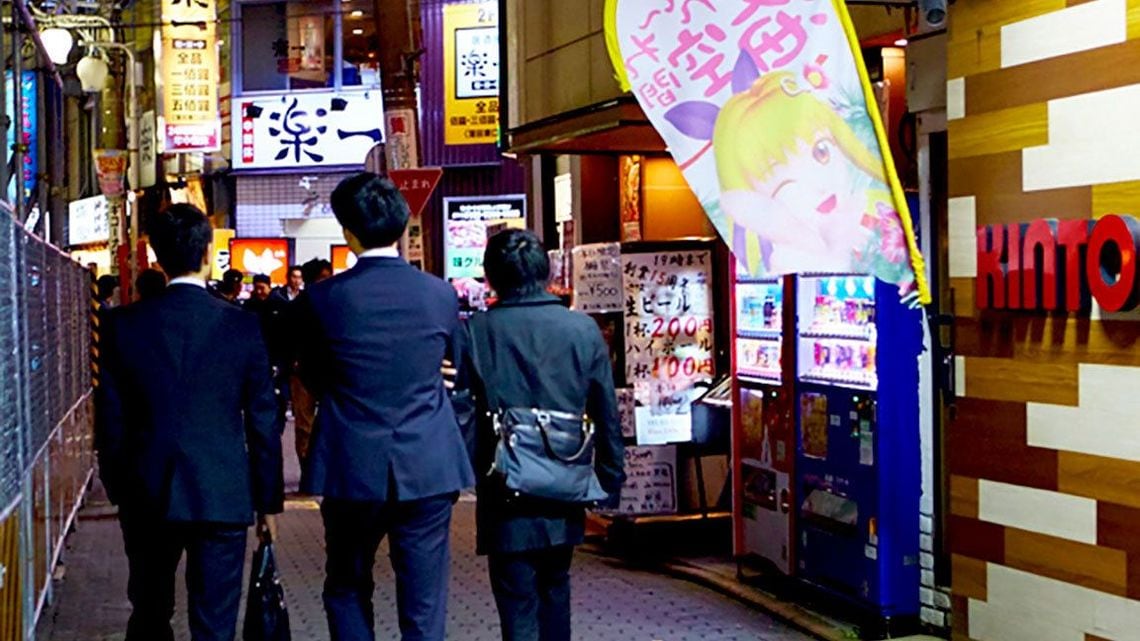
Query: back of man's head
x=105, y=287
x=231, y=281
x=372, y=209
x=180, y=235
x=312, y=271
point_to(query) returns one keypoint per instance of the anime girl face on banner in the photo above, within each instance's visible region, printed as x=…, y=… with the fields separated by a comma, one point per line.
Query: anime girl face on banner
x=766, y=106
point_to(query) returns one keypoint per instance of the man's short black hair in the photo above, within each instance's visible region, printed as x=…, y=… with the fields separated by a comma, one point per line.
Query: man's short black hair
x=106, y=285
x=180, y=235
x=151, y=283
x=516, y=263
x=295, y=268
x=262, y=278
x=372, y=208
x=232, y=279
x=311, y=271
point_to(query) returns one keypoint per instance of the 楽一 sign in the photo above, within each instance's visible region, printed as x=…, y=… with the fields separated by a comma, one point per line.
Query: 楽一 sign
x=471, y=73
x=465, y=233
x=324, y=129
x=188, y=77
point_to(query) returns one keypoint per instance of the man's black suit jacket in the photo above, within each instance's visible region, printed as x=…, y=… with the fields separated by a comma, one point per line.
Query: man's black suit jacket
x=372, y=340
x=186, y=421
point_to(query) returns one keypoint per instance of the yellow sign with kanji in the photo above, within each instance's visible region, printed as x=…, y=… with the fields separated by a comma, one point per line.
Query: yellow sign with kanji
x=189, y=77
x=471, y=73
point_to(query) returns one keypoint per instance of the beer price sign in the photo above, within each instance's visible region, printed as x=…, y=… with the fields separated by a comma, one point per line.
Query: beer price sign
x=189, y=77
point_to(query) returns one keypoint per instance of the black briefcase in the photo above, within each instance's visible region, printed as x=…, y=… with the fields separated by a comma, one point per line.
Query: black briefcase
x=266, y=617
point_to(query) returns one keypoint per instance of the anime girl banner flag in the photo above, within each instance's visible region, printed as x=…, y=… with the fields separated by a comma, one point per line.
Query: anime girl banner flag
x=767, y=107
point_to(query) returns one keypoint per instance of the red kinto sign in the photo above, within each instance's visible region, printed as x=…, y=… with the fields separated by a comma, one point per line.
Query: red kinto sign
x=1059, y=265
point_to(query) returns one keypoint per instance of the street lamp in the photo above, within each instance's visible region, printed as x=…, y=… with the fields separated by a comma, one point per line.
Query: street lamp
x=92, y=72
x=58, y=44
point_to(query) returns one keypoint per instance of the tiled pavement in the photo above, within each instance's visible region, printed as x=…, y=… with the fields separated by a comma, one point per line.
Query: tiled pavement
x=611, y=601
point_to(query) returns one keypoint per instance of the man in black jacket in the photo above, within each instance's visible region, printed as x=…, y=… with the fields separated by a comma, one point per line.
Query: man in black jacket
x=386, y=453
x=188, y=440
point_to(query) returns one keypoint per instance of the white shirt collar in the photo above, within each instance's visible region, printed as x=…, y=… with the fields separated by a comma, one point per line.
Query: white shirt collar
x=381, y=252
x=187, y=280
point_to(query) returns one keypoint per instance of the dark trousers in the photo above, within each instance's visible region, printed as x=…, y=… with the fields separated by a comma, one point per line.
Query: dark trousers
x=215, y=560
x=420, y=556
x=532, y=592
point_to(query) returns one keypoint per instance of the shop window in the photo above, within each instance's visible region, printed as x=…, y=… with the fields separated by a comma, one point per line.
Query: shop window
x=297, y=45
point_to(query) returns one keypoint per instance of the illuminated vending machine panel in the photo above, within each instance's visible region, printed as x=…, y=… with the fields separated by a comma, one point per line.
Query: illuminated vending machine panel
x=857, y=480
x=765, y=436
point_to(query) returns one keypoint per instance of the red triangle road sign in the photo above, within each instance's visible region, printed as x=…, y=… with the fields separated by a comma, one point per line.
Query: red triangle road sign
x=417, y=185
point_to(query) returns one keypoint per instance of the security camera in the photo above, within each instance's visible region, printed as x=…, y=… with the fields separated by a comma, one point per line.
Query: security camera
x=933, y=12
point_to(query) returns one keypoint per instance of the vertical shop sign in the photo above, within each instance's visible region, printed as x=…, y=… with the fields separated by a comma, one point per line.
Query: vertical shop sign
x=29, y=115
x=221, y=262
x=630, y=199
x=465, y=230
x=767, y=108
x=471, y=73
x=148, y=154
x=597, y=278
x=189, y=77
x=669, y=338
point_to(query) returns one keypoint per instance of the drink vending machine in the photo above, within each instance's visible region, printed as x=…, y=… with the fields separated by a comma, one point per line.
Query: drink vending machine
x=764, y=425
x=857, y=467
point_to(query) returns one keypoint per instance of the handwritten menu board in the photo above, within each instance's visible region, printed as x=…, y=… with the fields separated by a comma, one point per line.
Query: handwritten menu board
x=597, y=278
x=651, y=481
x=626, y=408
x=668, y=337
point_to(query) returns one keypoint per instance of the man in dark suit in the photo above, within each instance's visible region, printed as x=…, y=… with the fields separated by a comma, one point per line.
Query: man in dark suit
x=188, y=440
x=387, y=453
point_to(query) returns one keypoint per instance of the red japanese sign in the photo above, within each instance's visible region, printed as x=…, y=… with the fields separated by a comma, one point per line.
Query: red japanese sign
x=417, y=185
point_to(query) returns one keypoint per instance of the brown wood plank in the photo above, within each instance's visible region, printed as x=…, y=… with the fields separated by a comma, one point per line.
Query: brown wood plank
x=977, y=539
x=964, y=496
x=1060, y=77
x=964, y=297
x=1105, y=479
x=970, y=15
x=1041, y=338
x=1093, y=567
x=1117, y=198
x=973, y=52
x=1002, y=379
x=1011, y=129
x=987, y=439
x=969, y=577
x=987, y=335
x=1116, y=528
x=995, y=180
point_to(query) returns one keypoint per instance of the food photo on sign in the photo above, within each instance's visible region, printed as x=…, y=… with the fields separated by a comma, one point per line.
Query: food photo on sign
x=767, y=108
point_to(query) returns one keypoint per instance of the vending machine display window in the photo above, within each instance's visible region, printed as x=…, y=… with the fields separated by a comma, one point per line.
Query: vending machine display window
x=838, y=336
x=759, y=327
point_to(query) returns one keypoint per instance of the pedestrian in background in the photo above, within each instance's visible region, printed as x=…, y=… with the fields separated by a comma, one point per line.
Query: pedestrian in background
x=270, y=311
x=105, y=288
x=293, y=286
x=151, y=283
x=303, y=401
x=187, y=437
x=229, y=289
x=535, y=353
x=387, y=454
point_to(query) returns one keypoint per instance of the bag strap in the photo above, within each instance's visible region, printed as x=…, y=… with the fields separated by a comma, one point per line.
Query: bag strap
x=543, y=421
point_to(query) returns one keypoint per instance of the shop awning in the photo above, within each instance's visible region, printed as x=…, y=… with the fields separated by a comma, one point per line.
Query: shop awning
x=613, y=127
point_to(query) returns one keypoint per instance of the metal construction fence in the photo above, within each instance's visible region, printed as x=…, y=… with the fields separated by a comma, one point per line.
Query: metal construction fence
x=46, y=416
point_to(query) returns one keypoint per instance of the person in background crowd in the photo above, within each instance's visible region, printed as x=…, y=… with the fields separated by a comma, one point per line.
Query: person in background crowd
x=535, y=353
x=387, y=454
x=151, y=283
x=229, y=289
x=187, y=438
x=293, y=286
x=270, y=311
x=105, y=291
x=304, y=404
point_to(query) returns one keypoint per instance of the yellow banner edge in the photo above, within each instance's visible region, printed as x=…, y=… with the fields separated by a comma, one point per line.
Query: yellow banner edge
x=917, y=262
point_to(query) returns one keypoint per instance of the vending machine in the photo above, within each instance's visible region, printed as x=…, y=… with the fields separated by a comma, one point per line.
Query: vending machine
x=858, y=476
x=763, y=422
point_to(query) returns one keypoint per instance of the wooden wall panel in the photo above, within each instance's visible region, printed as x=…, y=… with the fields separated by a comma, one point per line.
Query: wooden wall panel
x=1012, y=359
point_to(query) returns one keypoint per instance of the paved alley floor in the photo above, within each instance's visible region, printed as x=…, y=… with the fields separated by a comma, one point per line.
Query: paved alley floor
x=611, y=601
